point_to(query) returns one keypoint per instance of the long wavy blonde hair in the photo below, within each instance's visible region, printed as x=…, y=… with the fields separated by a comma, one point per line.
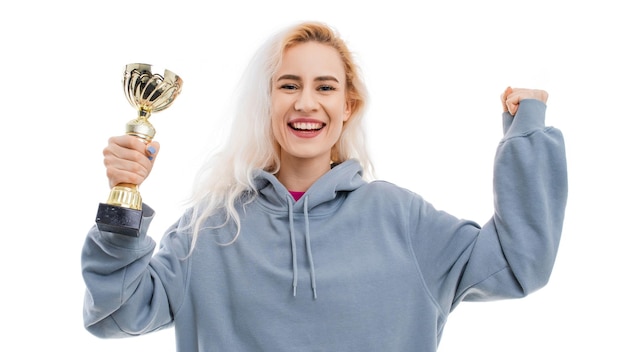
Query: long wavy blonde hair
x=227, y=177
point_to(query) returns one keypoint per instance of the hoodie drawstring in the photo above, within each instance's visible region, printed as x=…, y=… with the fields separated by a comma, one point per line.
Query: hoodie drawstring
x=294, y=256
x=307, y=239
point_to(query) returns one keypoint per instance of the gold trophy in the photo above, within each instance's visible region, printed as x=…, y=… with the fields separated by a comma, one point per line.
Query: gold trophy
x=148, y=92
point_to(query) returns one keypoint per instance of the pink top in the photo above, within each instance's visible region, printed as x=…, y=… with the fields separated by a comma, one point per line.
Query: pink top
x=296, y=195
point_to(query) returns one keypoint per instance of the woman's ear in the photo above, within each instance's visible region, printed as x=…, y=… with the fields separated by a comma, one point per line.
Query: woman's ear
x=348, y=110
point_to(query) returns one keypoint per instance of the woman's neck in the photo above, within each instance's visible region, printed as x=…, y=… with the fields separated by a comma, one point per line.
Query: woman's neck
x=298, y=174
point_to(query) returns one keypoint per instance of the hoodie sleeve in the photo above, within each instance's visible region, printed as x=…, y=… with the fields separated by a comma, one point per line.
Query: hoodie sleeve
x=128, y=291
x=513, y=254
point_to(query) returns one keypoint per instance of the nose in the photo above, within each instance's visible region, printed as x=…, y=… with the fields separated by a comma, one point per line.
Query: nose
x=306, y=101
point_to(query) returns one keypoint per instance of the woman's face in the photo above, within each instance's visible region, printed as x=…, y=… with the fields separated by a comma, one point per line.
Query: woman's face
x=309, y=101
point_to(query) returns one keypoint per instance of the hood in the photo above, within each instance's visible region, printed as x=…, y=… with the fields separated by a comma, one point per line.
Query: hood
x=344, y=177
x=322, y=197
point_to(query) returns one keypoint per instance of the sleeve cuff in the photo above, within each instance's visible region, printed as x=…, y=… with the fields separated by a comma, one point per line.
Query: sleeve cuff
x=530, y=117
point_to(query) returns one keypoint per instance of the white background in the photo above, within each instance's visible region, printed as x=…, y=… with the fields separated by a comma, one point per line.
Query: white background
x=435, y=70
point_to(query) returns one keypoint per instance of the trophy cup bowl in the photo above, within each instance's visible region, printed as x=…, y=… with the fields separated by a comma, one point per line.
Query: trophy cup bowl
x=148, y=92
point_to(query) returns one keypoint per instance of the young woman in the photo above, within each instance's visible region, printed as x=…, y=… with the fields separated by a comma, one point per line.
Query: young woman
x=288, y=246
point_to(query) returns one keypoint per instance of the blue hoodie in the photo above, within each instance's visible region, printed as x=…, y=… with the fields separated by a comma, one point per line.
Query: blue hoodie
x=351, y=266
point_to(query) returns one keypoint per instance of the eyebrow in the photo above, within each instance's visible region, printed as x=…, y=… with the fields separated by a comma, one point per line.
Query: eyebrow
x=298, y=78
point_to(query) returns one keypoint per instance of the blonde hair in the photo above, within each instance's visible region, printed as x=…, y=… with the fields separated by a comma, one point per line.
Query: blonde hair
x=228, y=176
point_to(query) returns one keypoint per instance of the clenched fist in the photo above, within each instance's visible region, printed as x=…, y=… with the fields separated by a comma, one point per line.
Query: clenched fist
x=512, y=97
x=129, y=160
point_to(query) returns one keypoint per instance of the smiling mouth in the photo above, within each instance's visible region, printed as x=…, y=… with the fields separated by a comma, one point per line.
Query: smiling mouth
x=307, y=126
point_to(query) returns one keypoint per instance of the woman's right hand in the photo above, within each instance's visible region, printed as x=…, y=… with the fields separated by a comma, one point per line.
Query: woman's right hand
x=129, y=160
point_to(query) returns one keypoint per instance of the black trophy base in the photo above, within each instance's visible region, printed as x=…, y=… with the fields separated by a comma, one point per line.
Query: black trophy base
x=124, y=221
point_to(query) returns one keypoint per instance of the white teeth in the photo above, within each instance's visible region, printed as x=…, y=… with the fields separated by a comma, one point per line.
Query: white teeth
x=307, y=125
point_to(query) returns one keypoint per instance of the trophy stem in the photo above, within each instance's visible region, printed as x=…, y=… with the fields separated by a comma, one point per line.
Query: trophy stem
x=141, y=127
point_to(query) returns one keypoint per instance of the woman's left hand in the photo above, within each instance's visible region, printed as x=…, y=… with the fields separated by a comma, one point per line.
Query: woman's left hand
x=512, y=97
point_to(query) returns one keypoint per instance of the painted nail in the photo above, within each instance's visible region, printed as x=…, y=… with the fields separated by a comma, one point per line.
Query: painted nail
x=151, y=150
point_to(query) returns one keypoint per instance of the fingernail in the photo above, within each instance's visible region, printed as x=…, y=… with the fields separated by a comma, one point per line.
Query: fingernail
x=151, y=150
x=150, y=158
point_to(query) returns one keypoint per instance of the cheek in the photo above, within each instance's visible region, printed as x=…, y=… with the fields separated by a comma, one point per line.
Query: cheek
x=280, y=102
x=275, y=125
x=278, y=132
x=275, y=114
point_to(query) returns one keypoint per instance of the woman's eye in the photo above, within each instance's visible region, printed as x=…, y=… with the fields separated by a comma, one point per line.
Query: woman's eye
x=326, y=88
x=289, y=86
